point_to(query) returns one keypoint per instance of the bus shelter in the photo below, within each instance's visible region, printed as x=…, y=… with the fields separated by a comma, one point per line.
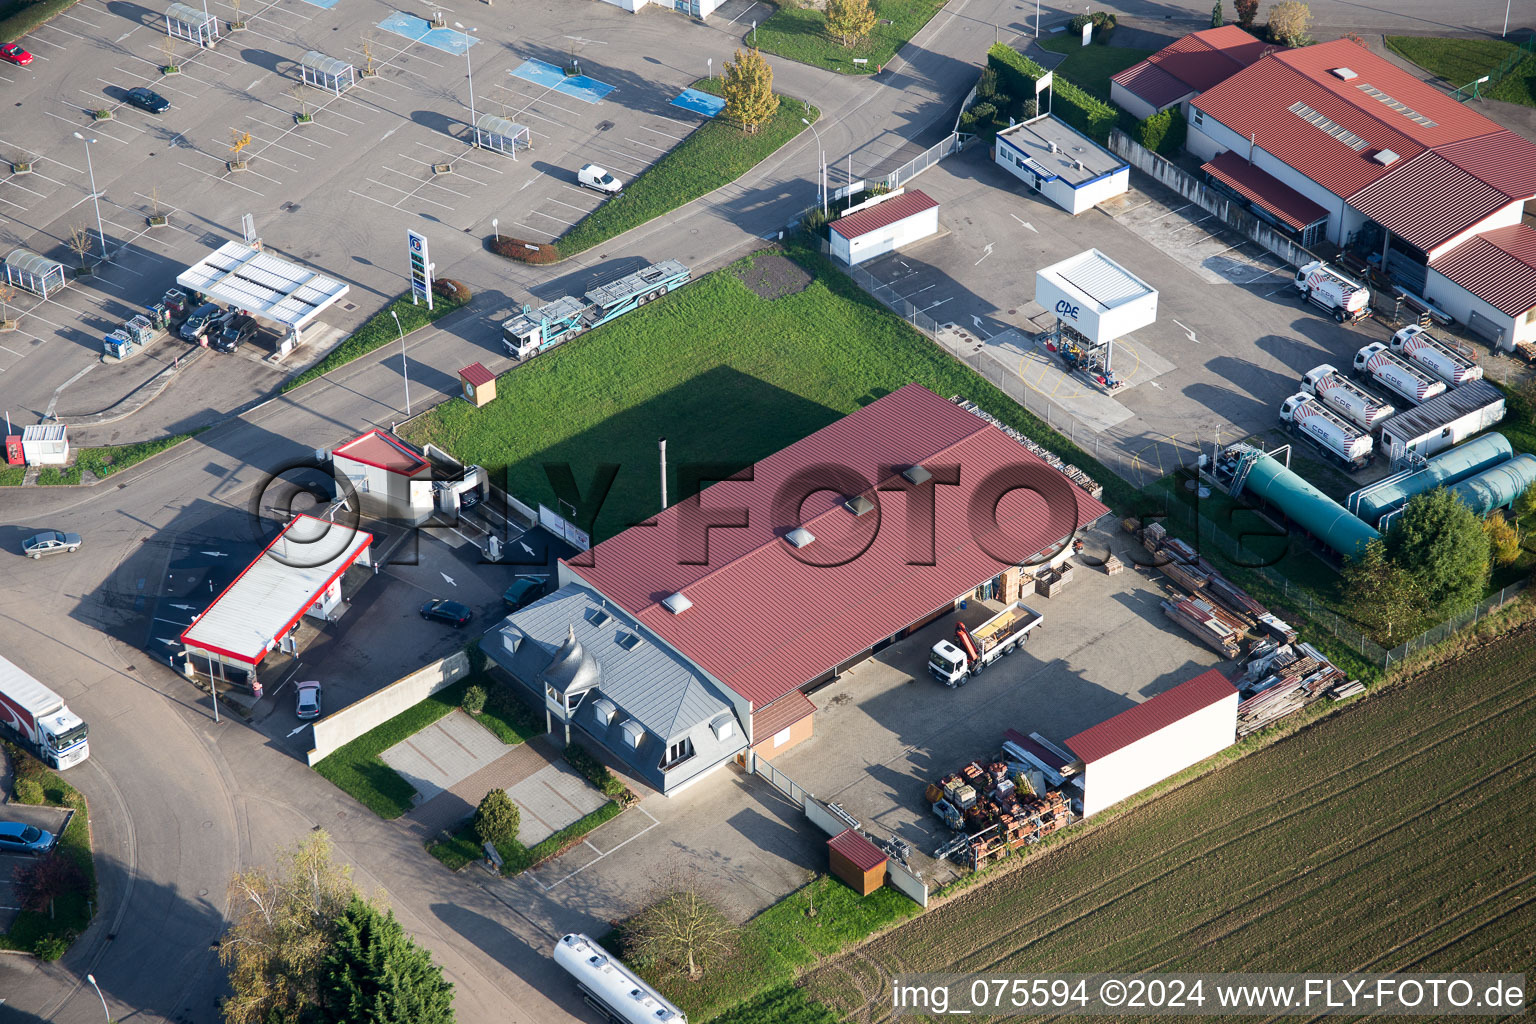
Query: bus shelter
x=328, y=73
x=35, y=273
x=501, y=136
x=192, y=24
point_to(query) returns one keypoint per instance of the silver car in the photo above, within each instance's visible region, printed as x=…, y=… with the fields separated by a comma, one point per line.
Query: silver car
x=307, y=705
x=50, y=542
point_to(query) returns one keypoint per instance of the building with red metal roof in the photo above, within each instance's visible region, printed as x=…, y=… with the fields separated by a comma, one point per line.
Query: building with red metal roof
x=886, y=224
x=393, y=479
x=1142, y=746
x=1183, y=69
x=1492, y=278
x=777, y=580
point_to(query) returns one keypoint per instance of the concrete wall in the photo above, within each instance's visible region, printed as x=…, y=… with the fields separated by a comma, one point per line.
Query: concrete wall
x=1153, y=758
x=824, y=819
x=336, y=730
x=907, y=883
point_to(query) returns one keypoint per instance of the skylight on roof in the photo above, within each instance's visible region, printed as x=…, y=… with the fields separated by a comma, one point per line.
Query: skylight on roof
x=800, y=536
x=600, y=616
x=629, y=641
x=916, y=475
x=1333, y=128
x=1402, y=108
x=676, y=603
x=859, y=505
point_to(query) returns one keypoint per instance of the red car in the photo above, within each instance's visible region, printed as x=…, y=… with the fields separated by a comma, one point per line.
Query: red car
x=15, y=54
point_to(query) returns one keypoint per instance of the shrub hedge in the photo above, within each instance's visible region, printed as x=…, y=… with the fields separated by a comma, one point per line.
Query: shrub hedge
x=1162, y=133
x=17, y=19
x=524, y=252
x=1016, y=75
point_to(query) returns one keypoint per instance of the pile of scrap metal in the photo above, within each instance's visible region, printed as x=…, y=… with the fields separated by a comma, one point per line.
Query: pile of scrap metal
x=1283, y=680
x=996, y=807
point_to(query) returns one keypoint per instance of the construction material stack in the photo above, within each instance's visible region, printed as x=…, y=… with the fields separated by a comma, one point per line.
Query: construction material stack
x=1282, y=682
x=1066, y=469
x=1000, y=804
x=1219, y=612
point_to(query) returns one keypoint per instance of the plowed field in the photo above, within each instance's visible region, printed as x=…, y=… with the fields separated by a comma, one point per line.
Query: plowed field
x=1400, y=836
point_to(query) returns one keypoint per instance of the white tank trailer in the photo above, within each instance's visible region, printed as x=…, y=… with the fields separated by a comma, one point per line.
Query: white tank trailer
x=1304, y=415
x=1335, y=291
x=611, y=987
x=1398, y=376
x=1345, y=397
x=1423, y=349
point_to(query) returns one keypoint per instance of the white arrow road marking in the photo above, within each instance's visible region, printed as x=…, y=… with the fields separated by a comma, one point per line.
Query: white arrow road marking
x=985, y=253
x=448, y=578
x=215, y=554
x=183, y=607
x=526, y=548
x=1189, y=332
x=299, y=729
x=1155, y=384
x=977, y=321
x=1024, y=222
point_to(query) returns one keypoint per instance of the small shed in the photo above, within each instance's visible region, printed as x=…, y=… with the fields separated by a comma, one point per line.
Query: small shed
x=884, y=224
x=500, y=135
x=856, y=861
x=26, y=269
x=478, y=384
x=185, y=22
x=333, y=75
x=46, y=445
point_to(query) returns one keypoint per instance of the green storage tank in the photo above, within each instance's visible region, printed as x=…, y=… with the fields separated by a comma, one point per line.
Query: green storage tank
x=1308, y=507
x=1451, y=466
x=1491, y=489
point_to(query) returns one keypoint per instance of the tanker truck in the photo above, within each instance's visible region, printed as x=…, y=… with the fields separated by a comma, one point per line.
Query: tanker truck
x=1428, y=352
x=953, y=663
x=1408, y=382
x=37, y=718
x=1304, y=415
x=1344, y=297
x=1343, y=396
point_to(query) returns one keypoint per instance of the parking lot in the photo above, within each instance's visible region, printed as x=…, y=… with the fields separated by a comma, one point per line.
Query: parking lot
x=389, y=152
x=50, y=819
x=1230, y=341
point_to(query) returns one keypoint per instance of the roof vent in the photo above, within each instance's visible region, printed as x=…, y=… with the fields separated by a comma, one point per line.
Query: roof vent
x=859, y=504
x=1054, y=148
x=916, y=475
x=1386, y=157
x=676, y=603
x=800, y=536
x=1344, y=73
x=1078, y=164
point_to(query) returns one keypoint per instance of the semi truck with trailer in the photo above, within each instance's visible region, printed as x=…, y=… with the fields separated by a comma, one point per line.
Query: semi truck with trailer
x=1341, y=295
x=1307, y=417
x=1376, y=362
x=611, y=988
x=954, y=662
x=534, y=330
x=37, y=718
x=1345, y=397
x=1428, y=352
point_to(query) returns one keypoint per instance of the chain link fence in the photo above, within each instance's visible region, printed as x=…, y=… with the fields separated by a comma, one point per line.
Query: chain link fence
x=920, y=163
x=1474, y=90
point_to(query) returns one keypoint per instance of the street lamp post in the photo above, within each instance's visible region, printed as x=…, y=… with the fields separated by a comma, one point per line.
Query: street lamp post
x=496, y=230
x=92, y=979
x=469, y=68
x=94, y=200
x=405, y=368
x=1037, y=19
x=821, y=161
x=1506, y=20
x=754, y=33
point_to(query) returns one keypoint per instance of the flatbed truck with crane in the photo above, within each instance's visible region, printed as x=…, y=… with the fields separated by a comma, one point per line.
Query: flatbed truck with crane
x=954, y=662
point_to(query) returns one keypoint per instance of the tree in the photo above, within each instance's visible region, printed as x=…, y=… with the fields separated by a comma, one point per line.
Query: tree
x=1442, y=545
x=79, y=241
x=1247, y=10
x=1525, y=505
x=168, y=47
x=1386, y=597
x=375, y=974
x=849, y=20
x=1503, y=539
x=284, y=927
x=681, y=930
x=1288, y=23
x=749, y=98
x=1217, y=17
x=474, y=700
x=40, y=883
x=300, y=93
x=497, y=819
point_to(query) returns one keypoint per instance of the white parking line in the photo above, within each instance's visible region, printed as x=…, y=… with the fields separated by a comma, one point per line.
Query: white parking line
x=601, y=855
x=1170, y=213
x=568, y=206
x=658, y=131
x=220, y=178
x=645, y=145
x=557, y=220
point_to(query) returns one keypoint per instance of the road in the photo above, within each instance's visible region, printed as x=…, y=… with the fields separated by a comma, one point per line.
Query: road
x=180, y=802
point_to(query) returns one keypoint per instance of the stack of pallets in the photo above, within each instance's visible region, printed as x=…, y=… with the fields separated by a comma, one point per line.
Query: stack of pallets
x=1291, y=685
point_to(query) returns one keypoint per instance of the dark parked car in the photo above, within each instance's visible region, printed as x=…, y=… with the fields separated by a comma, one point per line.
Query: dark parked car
x=18, y=838
x=49, y=542
x=522, y=593
x=236, y=332
x=148, y=99
x=199, y=322
x=451, y=612
x=307, y=705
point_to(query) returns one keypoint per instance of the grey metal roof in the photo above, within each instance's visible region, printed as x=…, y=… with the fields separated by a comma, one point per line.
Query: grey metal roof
x=650, y=682
x=1442, y=409
x=1102, y=279
x=188, y=15
x=497, y=125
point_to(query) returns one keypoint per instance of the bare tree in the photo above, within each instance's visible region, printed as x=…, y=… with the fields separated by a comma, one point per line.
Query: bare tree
x=235, y=4
x=681, y=930
x=79, y=241
x=168, y=47
x=300, y=93
x=368, y=69
x=7, y=294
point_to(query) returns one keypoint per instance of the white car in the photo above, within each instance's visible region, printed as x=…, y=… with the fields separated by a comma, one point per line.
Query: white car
x=594, y=177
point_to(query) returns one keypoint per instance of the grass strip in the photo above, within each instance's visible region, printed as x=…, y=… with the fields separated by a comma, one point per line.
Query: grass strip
x=1460, y=62
x=17, y=19
x=714, y=154
x=1091, y=67
x=48, y=937
x=103, y=462
x=800, y=33
x=378, y=331
x=462, y=845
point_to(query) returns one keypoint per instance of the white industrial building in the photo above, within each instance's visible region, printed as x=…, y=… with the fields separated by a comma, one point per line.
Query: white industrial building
x=696, y=8
x=884, y=224
x=1065, y=166
x=1442, y=422
x=1155, y=739
x=393, y=479
x=45, y=445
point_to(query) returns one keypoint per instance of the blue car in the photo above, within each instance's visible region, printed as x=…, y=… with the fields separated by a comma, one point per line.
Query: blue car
x=18, y=838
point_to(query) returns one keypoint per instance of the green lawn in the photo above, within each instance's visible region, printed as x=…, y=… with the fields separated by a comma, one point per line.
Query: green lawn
x=20, y=17
x=726, y=376
x=44, y=935
x=378, y=331
x=1091, y=67
x=800, y=33
x=11, y=476
x=358, y=769
x=103, y=462
x=715, y=154
x=1461, y=62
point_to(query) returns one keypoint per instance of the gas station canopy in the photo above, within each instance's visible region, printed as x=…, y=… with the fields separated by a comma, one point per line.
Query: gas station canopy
x=1097, y=296
x=262, y=284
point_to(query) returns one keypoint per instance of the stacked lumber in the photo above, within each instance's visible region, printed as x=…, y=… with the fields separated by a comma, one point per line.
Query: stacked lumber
x=1178, y=551
x=1201, y=619
x=1188, y=577
x=1066, y=469
x=1297, y=676
x=1232, y=597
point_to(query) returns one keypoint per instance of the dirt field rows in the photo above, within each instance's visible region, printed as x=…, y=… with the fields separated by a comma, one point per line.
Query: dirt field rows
x=1400, y=836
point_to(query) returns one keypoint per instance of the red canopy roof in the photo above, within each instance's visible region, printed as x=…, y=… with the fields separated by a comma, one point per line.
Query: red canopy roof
x=1149, y=716
x=477, y=375
x=381, y=451
x=1498, y=266
x=767, y=617
x=878, y=216
x=1264, y=189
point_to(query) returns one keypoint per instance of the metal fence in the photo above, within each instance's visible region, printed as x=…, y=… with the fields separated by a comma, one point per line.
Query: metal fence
x=920, y=163
x=1443, y=631
x=764, y=768
x=1473, y=90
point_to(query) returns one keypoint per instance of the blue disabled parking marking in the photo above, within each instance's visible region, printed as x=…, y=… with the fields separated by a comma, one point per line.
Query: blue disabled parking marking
x=327, y=4
x=699, y=102
x=579, y=87
x=419, y=30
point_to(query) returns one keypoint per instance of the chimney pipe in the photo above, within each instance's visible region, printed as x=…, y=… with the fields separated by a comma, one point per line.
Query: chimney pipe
x=662, y=442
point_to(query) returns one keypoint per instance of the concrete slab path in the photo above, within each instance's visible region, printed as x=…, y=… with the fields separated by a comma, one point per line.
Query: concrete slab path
x=444, y=753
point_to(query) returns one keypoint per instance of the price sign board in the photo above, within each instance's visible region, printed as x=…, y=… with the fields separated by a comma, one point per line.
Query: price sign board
x=421, y=269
